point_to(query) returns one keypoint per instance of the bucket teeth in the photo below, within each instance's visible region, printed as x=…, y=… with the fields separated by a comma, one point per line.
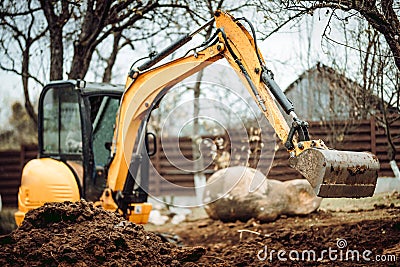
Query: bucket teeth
x=334, y=173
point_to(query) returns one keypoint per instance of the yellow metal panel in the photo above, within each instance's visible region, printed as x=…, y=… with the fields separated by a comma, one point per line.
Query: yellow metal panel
x=45, y=180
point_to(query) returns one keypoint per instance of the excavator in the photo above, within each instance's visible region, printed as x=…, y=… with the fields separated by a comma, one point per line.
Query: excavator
x=93, y=138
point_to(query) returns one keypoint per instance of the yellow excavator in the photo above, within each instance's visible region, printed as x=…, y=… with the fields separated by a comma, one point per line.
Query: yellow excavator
x=93, y=138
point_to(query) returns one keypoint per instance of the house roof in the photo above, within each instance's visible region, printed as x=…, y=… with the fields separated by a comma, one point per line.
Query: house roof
x=327, y=72
x=338, y=81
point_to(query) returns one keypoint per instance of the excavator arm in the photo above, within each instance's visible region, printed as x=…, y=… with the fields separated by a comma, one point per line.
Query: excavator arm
x=152, y=84
x=332, y=173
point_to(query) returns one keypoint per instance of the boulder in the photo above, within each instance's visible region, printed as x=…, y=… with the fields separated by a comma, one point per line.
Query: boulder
x=242, y=193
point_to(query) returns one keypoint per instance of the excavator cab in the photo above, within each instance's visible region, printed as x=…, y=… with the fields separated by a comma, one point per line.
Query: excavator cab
x=75, y=130
x=76, y=127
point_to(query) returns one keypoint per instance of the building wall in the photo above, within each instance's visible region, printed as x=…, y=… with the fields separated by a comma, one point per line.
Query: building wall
x=318, y=98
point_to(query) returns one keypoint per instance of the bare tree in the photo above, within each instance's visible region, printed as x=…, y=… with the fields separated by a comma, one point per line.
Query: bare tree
x=377, y=93
x=383, y=16
x=77, y=26
x=19, y=23
x=376, y=39
x=382, y=80
x=94, y=22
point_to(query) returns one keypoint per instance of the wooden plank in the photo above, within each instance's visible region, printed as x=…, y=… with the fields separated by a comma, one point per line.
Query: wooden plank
x=10, y=161
x=9, y=183
x=10, y=175
x=9, y=153
x=10, y=168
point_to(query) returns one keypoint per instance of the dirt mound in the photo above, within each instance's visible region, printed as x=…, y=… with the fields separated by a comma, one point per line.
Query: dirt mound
x=79, y=234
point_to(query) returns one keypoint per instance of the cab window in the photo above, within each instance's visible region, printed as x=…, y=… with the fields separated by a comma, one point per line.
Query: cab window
x=103, y=113
x=61, y=122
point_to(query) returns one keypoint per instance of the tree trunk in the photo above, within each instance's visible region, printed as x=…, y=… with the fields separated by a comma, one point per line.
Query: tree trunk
x=395, y=169
x=25, y=80
x=56, y=54
x=56, y=24
x=81, y=61
x=93, y=24
x=199, y=177
x=388, y=25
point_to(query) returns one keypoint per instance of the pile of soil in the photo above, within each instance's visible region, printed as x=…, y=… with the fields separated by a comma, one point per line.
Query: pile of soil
x=79, y=234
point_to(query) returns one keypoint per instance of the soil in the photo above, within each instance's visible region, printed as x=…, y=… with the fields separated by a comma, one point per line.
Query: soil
x=240, y=243
x=78, y=234
x=369, y=225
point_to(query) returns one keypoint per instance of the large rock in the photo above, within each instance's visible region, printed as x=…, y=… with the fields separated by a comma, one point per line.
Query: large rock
x=241, y=193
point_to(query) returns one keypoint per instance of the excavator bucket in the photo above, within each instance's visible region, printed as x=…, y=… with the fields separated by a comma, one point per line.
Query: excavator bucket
x=334, y=173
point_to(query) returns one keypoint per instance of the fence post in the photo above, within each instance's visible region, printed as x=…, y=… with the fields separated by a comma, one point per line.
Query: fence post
x=157, y=167
x=373, y=134
x=22, y=157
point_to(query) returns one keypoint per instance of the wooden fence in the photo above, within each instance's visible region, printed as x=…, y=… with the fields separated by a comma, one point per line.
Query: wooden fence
x=11, y=163
x=170, y=166
x=356, y=136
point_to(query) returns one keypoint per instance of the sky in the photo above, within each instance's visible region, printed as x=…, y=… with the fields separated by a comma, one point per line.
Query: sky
x=284, y=53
